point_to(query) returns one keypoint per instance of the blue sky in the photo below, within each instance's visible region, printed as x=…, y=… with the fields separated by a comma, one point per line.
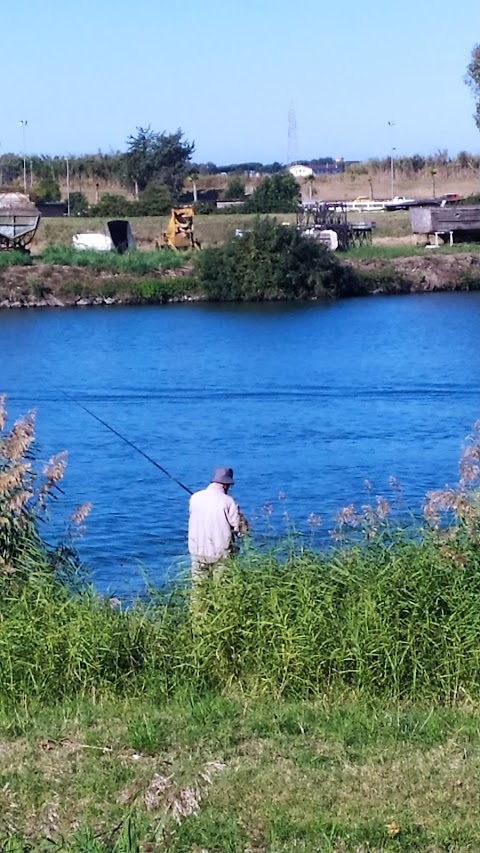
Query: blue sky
x=86, y=74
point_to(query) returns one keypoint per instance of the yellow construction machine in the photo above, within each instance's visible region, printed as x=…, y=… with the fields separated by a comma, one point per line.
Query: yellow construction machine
x=179, y=235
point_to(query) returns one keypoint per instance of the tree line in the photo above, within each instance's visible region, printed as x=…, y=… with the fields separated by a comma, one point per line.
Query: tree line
x=118, y=168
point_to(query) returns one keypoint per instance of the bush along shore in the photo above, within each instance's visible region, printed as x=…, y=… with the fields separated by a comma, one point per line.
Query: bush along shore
x=267, y=262
x=320, y=701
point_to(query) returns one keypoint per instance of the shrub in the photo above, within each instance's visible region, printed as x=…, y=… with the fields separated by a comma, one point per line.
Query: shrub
x=113, y=205
x=470, y=199
x=205, y=207
x=270, y=261
x=78, y=204
x=164, y=289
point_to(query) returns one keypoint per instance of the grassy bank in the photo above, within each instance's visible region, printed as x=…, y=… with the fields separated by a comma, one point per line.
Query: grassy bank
x=63, y=276
x=320, y=704
x=320, y=701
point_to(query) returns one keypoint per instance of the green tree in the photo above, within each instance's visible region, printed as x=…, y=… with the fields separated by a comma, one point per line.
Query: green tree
x=235, y=189
x=417, y=162
x=310, y=181
x=158, y=156
x=11, y=168
x=46, y=190
x=278, y=193
x=472, y=79
x=155, y=200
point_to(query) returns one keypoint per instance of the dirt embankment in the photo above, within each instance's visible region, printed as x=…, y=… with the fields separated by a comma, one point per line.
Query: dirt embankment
x=49, y=285
x=55, y=285
x=431, y=271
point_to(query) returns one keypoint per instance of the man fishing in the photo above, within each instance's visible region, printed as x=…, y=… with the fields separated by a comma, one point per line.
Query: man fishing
x=214, y=521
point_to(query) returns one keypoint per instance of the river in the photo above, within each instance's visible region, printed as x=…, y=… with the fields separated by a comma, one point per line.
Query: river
x=304, y=401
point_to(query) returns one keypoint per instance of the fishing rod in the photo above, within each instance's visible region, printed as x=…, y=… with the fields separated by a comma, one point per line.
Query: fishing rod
x=123, y=438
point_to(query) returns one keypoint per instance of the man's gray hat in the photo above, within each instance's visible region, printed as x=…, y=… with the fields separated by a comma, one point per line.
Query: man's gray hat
x=223, y=475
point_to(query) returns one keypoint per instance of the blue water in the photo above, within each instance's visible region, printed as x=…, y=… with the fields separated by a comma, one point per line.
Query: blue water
x=306, y=400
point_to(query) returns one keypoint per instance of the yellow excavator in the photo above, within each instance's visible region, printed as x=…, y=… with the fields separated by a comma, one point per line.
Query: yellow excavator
x=179, y=235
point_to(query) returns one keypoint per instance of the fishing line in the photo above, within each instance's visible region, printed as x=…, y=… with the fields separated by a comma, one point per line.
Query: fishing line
x=123, y=438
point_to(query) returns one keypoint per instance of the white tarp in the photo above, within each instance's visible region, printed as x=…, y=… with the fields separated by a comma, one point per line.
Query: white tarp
x=97, y=242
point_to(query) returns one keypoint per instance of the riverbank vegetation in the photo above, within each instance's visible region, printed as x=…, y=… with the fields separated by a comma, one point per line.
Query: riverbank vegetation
x=317, y=700
x=265, y=260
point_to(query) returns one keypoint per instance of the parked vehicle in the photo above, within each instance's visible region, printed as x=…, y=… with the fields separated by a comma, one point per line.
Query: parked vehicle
x=399, y=202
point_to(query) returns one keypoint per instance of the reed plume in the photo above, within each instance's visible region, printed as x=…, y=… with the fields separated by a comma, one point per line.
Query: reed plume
x=23, y=498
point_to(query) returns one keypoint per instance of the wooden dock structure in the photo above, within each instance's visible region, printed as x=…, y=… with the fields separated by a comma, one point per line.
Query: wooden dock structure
x=453, y=223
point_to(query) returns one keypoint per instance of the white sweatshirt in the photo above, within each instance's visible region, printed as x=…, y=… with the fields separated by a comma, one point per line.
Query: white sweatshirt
x=214, y=518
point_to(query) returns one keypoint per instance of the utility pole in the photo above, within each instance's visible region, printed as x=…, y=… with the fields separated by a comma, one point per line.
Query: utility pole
x=292, y=144
x=23, y=124
x=392, y=165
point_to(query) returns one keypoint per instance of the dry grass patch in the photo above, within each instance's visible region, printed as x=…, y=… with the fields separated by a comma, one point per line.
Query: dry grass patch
x=211, y=230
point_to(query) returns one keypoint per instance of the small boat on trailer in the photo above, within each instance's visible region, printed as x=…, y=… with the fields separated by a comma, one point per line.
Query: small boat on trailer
x=19, y=220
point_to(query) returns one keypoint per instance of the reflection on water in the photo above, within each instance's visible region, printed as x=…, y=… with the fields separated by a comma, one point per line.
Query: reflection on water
x=305, y=400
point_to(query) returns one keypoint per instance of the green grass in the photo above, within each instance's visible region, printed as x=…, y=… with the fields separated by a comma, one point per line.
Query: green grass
x=134, y=263
x=388, y=224
x=127, y=289
x=404, y=251
x=12, y=259
x=314, y=776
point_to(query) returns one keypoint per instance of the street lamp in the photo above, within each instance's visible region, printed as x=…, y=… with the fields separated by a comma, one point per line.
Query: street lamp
x=68, y=185
x=23, y=124
x=392, y=167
